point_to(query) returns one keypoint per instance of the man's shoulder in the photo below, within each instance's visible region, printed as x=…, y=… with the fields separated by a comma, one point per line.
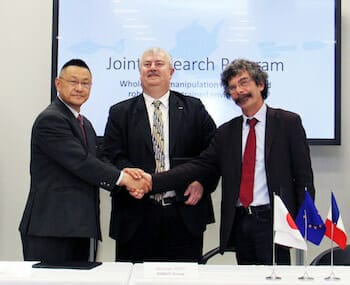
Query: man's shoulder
x=282, y=113
x=56, y=111
x=234, y=123
x=126, y=104
x=186, y=99
x=184, y=96
x=53, y=109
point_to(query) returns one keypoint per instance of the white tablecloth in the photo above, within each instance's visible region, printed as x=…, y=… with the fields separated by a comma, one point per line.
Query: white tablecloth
x=247, y=275
x=125, y=273
x=106, y=274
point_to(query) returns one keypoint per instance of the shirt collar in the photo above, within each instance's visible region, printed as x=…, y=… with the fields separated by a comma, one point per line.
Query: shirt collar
x=75, y=113
x=260, y=116
x=164, y=99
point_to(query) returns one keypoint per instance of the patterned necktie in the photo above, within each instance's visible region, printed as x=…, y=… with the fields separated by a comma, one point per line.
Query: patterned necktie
x=80, y=120
x=158, y=137
x=248, y=166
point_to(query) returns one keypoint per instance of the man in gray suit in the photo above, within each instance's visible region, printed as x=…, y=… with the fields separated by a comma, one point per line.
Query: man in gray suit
x=62, y=210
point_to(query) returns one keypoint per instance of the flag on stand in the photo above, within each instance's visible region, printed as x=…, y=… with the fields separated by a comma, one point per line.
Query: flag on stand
x=334, y=225
x=286, y=231
x=309, y=219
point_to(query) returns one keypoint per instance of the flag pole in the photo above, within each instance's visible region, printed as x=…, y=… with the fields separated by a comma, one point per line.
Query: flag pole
x=273, y=275
x=306, y=274
x=332, y=276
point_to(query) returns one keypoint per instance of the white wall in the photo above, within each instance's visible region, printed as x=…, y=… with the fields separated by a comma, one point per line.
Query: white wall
x=25, y=60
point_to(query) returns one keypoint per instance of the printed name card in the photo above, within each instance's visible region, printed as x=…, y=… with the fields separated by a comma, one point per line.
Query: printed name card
x=170, y=270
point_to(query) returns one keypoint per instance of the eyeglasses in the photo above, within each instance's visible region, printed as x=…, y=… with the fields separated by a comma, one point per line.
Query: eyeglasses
x=76, y=83
x=242, y=83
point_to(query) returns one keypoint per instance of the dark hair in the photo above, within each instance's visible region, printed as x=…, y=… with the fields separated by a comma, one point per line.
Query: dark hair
x=238, y=66
x=75, y=62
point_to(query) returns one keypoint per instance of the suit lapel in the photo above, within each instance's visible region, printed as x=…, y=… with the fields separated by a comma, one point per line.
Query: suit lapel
x=236, y=138
x=74, y=122
x=175, y=120
x=270, y=131
x=90, y=136
x=231, y=148
x=141, y=121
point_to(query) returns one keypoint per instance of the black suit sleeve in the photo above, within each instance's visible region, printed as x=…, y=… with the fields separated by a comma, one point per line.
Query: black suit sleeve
x=208, y=126
x=203, y=167
x=300, y=154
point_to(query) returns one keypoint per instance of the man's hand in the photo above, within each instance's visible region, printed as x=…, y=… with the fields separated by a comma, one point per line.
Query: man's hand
x=135, y=183
x=194, y=192
x=138, y=193
x=136, y=173
x=147, y=177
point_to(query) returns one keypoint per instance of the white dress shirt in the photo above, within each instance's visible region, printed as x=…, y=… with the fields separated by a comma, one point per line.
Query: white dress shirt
x=261, y=194
x=164, y=107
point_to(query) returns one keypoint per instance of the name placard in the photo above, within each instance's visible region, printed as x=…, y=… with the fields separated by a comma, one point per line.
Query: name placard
x=170, y=270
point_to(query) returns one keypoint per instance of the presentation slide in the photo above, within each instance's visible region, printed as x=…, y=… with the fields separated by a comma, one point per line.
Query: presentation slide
x=293, y=41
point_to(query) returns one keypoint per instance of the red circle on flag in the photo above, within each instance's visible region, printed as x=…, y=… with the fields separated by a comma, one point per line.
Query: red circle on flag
x=291, y=222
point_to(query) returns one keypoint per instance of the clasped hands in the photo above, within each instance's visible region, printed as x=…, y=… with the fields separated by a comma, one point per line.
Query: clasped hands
x=136, y=181
x=139, y=183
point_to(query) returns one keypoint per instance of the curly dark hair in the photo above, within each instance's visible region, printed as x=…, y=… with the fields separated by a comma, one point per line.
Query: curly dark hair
x=238, y=66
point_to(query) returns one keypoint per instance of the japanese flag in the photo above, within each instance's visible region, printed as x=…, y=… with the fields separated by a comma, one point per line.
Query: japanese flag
x=286, y=231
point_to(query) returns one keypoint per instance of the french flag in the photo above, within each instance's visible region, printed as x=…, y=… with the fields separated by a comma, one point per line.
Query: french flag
x=334, y=225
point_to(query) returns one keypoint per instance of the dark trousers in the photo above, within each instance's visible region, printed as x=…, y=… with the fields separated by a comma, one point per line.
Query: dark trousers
x=252, y=235
x=162, y=236
x=55, y=249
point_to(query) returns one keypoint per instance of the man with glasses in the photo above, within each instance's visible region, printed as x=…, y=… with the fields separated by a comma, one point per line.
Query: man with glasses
x=156, y=131
x=261, y=152
x=61, y=216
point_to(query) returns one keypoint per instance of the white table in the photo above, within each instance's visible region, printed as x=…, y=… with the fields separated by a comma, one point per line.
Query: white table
x=247, y=275
x=106, y=274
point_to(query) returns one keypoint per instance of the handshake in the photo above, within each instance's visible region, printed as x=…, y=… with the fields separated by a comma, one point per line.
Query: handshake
x=136, y=181
x=139, y=183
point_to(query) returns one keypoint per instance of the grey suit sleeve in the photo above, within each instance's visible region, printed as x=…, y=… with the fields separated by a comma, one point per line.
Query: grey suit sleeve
x=55, y=136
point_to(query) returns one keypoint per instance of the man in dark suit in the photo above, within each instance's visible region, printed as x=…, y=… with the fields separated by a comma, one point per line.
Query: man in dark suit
x=282, y=165
x=62, y=210
x=168, y=226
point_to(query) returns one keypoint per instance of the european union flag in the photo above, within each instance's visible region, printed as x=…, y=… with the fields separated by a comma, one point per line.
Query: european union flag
x=309, y=219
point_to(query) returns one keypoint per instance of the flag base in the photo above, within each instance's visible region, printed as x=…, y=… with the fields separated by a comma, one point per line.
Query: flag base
x=305, y=276
x=273, y=275
x=332, y=277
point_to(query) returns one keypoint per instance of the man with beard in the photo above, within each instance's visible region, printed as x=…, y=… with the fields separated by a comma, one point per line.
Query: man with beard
x=280, y=163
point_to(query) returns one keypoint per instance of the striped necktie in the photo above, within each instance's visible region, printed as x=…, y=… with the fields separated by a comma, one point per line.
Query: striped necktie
x=158, y=137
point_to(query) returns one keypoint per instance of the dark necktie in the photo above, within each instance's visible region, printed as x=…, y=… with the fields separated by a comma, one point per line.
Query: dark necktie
x=80, y=120
x=248, y=166
x=158, y=137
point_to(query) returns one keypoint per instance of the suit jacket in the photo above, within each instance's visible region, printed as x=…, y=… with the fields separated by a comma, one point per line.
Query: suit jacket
x=128, y=143
x=287, y=163
x=65, y=177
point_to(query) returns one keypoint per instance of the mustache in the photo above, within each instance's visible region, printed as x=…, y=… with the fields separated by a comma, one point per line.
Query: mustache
x=152, y=73
x=242, y=98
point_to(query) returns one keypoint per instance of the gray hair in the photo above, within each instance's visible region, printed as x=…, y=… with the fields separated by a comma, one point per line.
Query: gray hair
x=155, y=50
